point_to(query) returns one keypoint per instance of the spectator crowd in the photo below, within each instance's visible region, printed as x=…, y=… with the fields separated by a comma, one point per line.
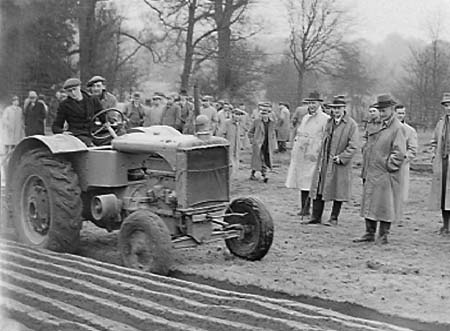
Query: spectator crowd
x=323, y=139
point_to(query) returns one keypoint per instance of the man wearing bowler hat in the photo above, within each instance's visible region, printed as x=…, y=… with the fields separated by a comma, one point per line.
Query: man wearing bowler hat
x=332, y=179
x=440, y=186
x=382, y=191
x=77, y=110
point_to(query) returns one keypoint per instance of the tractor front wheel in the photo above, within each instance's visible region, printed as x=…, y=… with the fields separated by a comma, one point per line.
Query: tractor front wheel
x=257, y=227
x=145, y=243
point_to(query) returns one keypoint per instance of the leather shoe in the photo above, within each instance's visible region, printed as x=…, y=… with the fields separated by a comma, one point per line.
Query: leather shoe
x=366, y=238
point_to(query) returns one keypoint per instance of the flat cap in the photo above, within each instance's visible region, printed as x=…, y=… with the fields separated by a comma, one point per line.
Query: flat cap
x=71, y=82
x=95, y=79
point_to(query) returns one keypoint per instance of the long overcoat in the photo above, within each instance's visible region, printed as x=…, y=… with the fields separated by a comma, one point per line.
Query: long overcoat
x=232, y=134
x=12, y=125
x=382, y=191
x=411, y=151
x=436, y=182
x=336, y=179
x=256, y=134
x=283, y=125
x=305, y=150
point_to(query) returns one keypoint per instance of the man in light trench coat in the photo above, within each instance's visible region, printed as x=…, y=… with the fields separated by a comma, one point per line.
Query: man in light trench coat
x=411, y=150
x=332, y=179
x=382, y=192
x=305, y=150
x=440, y=185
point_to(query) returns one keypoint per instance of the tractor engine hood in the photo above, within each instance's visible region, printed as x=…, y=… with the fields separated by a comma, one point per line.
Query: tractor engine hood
x=164, y=143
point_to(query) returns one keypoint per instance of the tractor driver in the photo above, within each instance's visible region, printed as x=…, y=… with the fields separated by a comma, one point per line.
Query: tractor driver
x=77, y=110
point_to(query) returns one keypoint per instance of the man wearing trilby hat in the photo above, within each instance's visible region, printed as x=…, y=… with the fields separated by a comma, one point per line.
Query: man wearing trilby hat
x=382, y=191
x=332, y=179
x=440, y=185
x=305, y=150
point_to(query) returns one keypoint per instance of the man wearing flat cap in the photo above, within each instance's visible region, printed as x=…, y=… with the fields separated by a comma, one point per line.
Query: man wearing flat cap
x=305, y=150
x=382, y=199
x=283, y=126
x=440, y=185
x=134, y=111
x=34, y=115
x=77, y=110
x=171, y=115
x=232, y=133
x=206, y=108
x=332, y=179
x=262, y=137
x=153, y=114
x=98, y=88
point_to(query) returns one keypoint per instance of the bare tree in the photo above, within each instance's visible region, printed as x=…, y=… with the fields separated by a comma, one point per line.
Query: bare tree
x=188, y=23
x=427, y=76
x=317, y=29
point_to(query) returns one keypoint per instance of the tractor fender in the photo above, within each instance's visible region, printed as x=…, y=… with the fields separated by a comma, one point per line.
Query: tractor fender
x=56, y=144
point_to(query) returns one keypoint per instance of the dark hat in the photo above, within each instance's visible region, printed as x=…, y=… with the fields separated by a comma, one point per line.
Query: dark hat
x=94, y=80
x=207, y=98
x=445, y=98
x=384, y=100
x=238, y=111
x=338, y=101
x=158, y=95
x=286, y=104
x=136, y=94
x=265, y=104
x=314, y=96
x=183, y=92
x=71, y=82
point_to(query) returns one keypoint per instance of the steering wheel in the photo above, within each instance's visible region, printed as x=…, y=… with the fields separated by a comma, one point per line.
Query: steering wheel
x=106, y=123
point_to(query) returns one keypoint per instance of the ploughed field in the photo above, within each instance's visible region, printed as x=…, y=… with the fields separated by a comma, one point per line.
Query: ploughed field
x=409, y=277
x=48, y=291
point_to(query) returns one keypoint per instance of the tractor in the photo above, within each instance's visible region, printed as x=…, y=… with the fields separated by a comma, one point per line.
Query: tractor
x=161, y=189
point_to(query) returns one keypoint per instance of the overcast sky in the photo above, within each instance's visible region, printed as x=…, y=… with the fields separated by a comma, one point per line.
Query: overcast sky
x=376, y=18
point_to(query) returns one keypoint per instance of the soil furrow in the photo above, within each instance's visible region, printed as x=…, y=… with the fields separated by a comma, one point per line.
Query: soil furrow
x=37, y=320
x=271, y=317
x=98, y=306
x=180, y=315
x=54, y=307
x=268, y=306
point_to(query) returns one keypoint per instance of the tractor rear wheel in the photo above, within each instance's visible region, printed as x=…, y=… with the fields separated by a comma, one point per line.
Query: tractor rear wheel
x=145, y=243
x=257, y=226
x=45, y=203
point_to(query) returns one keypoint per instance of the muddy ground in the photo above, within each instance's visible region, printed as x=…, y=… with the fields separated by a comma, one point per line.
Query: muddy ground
x=409, y=277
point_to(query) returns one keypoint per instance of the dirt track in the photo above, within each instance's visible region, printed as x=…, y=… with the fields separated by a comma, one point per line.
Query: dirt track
x=47, y=291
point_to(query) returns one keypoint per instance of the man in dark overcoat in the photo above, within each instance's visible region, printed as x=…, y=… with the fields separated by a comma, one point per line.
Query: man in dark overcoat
x=34, y=115
x=262, y=137
x=332, y=177
x=382, y=191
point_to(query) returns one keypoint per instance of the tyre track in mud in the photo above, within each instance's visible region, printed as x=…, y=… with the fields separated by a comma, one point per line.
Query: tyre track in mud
x=49, y=291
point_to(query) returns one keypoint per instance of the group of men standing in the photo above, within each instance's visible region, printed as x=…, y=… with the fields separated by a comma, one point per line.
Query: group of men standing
x=321, y=162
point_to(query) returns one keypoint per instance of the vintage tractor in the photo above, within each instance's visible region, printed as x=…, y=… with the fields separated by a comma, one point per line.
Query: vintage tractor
x=161, y=188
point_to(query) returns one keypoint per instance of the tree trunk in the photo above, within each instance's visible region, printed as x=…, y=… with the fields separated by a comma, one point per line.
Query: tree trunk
x=188, y=57
x=222, y=16
x=300, y=78
x=86, y=23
